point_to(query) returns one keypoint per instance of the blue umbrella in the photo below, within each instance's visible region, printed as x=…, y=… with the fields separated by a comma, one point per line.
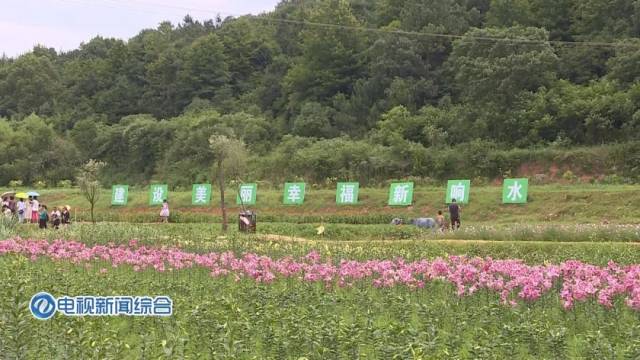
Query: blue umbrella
x=33, y=193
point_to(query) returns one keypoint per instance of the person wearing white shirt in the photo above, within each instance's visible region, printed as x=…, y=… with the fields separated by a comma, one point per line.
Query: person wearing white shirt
x=22, y=208
x=35, y=206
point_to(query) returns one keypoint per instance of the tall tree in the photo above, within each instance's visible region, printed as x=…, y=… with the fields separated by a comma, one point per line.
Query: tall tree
x=493, y=75
x=499, y=70
x=205, y=69
x=30, y=85
x=330, y=60
x=231, y=155
x=88, y=180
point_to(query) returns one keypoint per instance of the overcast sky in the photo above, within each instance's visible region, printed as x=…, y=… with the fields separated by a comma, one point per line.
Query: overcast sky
x=64, y=24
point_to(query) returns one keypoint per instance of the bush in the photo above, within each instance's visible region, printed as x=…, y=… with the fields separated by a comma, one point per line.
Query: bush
x=569, y=176
x=7, y=226
x=15, y=184
x=65, y=184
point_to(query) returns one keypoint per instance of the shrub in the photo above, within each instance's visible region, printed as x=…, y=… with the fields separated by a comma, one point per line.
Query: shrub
x=15, y=184
x=569, y=176
x=65, y=184
x=540, y=179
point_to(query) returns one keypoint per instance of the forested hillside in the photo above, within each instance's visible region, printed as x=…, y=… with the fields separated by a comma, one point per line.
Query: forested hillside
x=360, y=89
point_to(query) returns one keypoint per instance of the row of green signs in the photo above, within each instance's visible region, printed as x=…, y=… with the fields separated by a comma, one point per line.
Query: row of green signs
x=200, y=195
x=514, y=191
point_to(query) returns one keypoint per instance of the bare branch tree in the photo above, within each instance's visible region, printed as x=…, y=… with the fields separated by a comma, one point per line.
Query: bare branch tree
x=231, y=157
x=89, y=183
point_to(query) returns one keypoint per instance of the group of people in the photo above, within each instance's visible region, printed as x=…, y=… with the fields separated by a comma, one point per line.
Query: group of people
x=439, y=222
x=31, y=211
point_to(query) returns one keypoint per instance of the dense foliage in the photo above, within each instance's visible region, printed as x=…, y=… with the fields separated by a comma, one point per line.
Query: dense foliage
x=386, y=95
x=292, y=316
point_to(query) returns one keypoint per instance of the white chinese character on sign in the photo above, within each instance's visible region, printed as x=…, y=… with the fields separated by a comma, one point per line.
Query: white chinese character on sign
x=457, y=192
x=246, y=193
x=158, y=195
x=347, y=193
x=514, y=191
x=400, y=194
x=118, y=196
x=200, y=195
x=293, y=193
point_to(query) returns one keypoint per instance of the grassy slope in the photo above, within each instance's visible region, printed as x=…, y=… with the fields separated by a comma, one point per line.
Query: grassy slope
x=548, y=203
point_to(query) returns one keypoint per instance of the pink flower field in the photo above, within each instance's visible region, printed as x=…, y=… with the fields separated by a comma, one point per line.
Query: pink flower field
x=512, y=279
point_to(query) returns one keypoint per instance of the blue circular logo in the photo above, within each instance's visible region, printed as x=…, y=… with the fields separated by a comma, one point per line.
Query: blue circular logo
x=43, y=306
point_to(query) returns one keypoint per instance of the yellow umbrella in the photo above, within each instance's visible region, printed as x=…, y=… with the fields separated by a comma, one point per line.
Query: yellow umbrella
x=22, y=195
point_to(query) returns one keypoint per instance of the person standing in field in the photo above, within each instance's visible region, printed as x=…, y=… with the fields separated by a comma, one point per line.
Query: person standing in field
x=12, y=204
x=65, y=216
x=454, y=214
x=164, y=213
x=43, y=217
x=21, y=208
x=440, y=220
x=55, y=218
x=28, y=209
x=35, y=205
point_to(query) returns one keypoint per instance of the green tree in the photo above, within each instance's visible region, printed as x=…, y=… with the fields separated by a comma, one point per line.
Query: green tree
x=161, y=96
x=205, y=69
x=507, y=13
x=314, y=120
x=624, y=67
x=29, y=85
x=330, y=60
x=498, y=71
x=252, y=47
x=184, y=162
x=605, y=18
x=230, y=155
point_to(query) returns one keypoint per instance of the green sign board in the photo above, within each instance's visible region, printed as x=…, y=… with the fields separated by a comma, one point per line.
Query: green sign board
x=201, y=194
x=119, y=195
x=401, y=194
x=293, y=193
x=347, y=193
x=515, y=191
x=459, y=190
x=157, y=194
x=247, y=194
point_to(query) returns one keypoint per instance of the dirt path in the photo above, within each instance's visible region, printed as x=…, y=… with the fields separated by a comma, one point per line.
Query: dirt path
x=284, y=238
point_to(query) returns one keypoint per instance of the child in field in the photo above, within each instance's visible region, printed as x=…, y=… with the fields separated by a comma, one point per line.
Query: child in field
x=440, y=220
x=43, y=217
x=164, y=213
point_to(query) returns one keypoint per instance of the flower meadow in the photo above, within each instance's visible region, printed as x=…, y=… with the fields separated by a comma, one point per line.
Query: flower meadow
x=512, y=279
x=242, y=297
